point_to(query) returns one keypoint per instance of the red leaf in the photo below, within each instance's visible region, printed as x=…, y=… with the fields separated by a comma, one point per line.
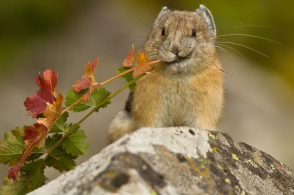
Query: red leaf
x=82, y=83
x=49, y=82
x=13, y=172
x=90, y=71
x=33, y=133
x=43, y=101
x=128, y=62
x=88, y=80
x=52, y=112
x=37, y=103
x=92, y=65
x=34, y=137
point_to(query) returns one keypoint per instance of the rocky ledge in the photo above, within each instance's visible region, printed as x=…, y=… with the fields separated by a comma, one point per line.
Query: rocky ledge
x=175, y=161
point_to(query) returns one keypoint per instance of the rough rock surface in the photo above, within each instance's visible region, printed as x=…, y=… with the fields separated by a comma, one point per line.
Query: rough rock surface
x=175, y=161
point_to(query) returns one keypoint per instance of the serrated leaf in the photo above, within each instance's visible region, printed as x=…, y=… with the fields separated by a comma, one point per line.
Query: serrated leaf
x=36, y=153
x=128, y=62
x=12, y=146
x=52, y=140
x=82, y=83
x=94, y=100
x=37, y=103
x=52, y=112
x=129, y=77
x=34, y=156
x=75, y=143
x=88, y=80
x=31, y=177
x=34, y=137
x=60, y=160
x=60, y=125
x=98, y=96
x=72, y=96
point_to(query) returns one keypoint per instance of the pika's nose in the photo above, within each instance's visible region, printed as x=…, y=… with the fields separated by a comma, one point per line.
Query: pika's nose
x=175, y=49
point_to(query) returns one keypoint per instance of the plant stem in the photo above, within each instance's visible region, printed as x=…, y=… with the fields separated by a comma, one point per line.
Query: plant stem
x=97, y=87
x=66, y=109
x=115, y=77
x=76, y=125
x=105, y=82
x=125, y=72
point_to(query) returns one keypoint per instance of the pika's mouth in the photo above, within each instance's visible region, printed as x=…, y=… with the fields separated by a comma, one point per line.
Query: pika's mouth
x=178, y=60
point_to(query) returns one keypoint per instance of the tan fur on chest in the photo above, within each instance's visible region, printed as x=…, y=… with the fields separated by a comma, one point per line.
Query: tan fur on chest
x=179, y=100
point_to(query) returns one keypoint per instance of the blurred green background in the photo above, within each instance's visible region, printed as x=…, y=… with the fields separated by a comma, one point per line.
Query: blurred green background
x=65, y=35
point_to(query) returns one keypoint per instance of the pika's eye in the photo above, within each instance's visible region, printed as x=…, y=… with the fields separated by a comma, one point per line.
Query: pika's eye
x=163, y=31
x=193, y=32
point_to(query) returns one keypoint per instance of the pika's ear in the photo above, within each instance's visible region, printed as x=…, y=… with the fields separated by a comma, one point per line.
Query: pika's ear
x=208, y=17
x=163, y=10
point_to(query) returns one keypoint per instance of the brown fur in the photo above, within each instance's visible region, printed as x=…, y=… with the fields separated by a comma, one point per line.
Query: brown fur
x=186, y=89
x=194, y=100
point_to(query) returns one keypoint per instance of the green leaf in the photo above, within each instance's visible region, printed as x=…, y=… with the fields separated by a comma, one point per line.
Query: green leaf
x=72, y=96
x=95, y=99
x=98, y=96
x=60, y=125
x=129, y=77
x=75, y=143
x=52, y=140
x=31, y=177
x=12, y=146
x=36, y=153
x=60, y=160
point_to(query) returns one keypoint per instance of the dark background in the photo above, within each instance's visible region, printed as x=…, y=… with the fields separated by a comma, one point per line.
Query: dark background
x=65, y=35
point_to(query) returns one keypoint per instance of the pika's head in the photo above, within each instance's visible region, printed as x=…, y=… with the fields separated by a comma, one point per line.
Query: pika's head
x=181, y=39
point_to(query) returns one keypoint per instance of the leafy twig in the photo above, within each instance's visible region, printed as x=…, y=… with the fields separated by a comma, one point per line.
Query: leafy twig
x=76, y=125
x=99, y=85
x=68, y=141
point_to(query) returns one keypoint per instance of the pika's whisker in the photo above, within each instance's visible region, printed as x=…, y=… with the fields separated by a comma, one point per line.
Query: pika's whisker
x=233, y=50
x=232, y=43
x=249, y=25
x=220, y=69
x=220, y=48
x=247, y=35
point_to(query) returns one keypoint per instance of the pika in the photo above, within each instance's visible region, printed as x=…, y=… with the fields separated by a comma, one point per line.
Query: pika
x=186, y=88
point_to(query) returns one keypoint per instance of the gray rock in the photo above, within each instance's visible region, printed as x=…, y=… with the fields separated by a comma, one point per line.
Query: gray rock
x=175, y=161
